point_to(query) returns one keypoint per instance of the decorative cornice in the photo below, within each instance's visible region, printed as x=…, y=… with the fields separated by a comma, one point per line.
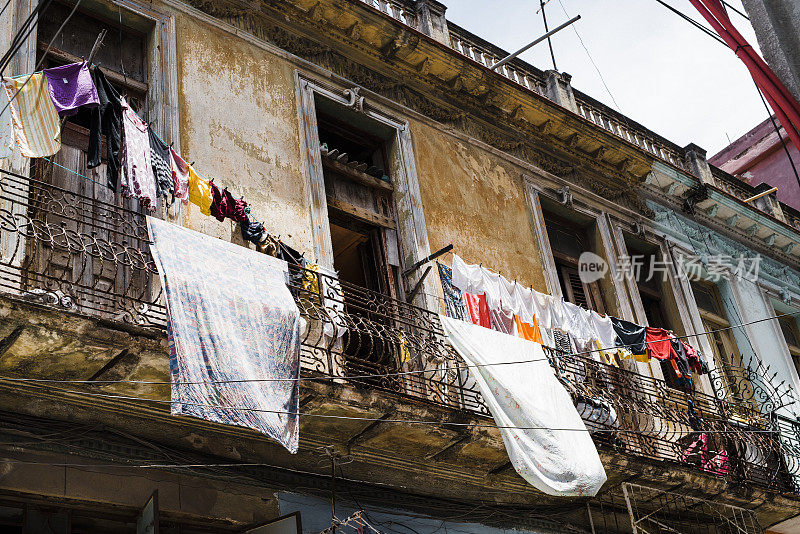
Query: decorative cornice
x=694, y=236
x=496, y=116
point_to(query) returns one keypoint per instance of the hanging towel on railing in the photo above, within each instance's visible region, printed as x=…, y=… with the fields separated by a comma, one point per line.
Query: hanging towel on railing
x=528, y=395
x=231, y=321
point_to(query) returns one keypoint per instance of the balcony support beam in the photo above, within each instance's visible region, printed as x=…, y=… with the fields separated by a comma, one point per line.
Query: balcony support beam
x=453, y=448
x=8, y=341
x=369, y=431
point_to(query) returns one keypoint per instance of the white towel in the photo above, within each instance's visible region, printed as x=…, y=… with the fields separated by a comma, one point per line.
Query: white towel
x=548, y=444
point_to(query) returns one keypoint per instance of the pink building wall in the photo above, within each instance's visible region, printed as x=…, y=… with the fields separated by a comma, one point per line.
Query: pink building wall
x=758, y=156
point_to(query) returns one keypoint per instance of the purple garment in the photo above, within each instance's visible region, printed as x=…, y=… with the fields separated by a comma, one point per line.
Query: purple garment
x=71, y=87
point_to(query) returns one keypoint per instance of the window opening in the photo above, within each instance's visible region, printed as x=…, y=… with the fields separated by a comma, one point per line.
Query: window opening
x=87, y=207
x=363, y=229
x=568, y=241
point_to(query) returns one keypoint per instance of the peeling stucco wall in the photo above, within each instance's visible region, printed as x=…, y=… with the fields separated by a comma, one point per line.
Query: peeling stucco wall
x=476, y=201
x=239, y=123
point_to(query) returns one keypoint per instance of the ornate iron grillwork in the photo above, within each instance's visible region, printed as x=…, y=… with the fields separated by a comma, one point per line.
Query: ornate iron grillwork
x=92, y=257
x=642, y=416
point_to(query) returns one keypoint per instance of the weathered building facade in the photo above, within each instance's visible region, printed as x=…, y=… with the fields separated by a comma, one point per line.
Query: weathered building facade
x=368, y=135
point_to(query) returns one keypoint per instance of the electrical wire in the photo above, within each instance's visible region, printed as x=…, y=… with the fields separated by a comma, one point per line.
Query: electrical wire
x=371, y=376
x=717, y=38
x=693, y=22
x=18, y=39
x=726, y=4
x=778, y=131
x=398, y=421
x=589, y=55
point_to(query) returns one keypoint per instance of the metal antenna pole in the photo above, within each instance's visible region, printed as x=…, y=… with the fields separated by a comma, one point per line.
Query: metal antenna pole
x=521, y=50
x=546, y=29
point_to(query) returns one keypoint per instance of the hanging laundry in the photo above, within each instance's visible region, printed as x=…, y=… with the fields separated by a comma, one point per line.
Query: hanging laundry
x=631, y=337
x=562, y=342
x=543, y=308
x=37, y=128
x=293, y=258
x=680, y=362
x=699, y=452
x=453, y=301
x=501, y=321
x=137, y=170
x=467, y=278
x=478, y=309
x=252, y=230
x=605, y=334
x=310, y=281
x=224, y=205
x=218, y=203
x=71, y=87
x=106, y=120
x=235, y=207
x=200, y=192
x=555, y=308
x=658, y=343
x=527, y=403
x=162, y=168
x=697, y=362
x=529, y=331
x=476, y=280
x=290, y=255
x=6, y=128
x=576, y=323
x=404, y=355
x=180, y=175
x=234, y=332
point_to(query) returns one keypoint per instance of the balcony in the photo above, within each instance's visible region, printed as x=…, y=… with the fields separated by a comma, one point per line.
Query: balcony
x=67, y=252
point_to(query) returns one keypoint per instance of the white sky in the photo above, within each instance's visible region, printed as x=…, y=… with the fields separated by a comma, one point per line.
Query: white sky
x=663, y=72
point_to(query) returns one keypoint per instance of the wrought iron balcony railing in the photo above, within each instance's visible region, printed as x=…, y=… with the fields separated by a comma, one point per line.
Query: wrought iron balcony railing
x=91, y=257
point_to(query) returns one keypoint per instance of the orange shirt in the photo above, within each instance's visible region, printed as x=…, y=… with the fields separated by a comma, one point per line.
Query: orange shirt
x=527, y=331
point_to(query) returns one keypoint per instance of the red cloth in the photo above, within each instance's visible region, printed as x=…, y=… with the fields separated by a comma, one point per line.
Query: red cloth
x=658, y=343
x=218, y=204
x=784, y=105
x=478, y=309
x=696, y=362
x=225, y=205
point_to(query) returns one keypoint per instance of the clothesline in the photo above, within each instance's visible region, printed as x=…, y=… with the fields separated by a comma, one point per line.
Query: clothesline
x=37, y=132
x=482, y=297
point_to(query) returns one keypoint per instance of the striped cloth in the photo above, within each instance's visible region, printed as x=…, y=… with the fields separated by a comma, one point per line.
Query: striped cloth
x=36, y=124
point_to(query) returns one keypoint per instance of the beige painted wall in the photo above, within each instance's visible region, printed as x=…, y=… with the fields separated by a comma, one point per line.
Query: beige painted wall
x=239, y=124
x=476, y=201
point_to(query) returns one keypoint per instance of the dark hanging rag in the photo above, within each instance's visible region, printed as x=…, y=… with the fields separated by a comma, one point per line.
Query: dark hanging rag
x=159, y=157
x=106, y=119
x=681, y=362
x=252, y=230
x=218, y=204
x=630, y=335
x=234, y=207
